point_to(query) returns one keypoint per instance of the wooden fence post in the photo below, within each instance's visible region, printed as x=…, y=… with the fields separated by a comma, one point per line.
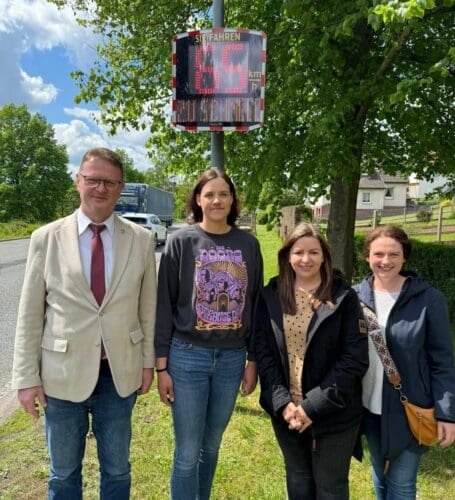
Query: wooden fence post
x=439, y=230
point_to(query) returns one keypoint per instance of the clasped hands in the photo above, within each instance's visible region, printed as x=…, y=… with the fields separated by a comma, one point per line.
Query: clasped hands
x=296, y=417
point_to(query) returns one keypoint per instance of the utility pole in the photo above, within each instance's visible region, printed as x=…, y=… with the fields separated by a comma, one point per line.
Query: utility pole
x=217, y=138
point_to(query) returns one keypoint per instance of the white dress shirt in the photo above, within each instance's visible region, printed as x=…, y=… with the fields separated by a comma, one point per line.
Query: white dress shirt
x=85, y=245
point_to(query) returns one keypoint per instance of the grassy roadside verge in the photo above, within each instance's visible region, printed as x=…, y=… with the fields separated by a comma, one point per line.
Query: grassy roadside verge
x=17, y=229
x=423, y=231
x=250, y=464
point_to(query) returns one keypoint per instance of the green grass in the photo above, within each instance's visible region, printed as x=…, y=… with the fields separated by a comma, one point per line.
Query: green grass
x=16, y=229
x=270, y=244
x=431, y=238
x=411, y=221
x=423, y=231
x=250, y=465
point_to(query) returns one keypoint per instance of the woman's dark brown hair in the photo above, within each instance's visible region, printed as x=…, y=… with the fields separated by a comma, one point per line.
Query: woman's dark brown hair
x=393, y=232
x=207, y=176
x=286, y=277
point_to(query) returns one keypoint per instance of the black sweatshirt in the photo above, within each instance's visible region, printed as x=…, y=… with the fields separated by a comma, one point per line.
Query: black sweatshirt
x=208, y=285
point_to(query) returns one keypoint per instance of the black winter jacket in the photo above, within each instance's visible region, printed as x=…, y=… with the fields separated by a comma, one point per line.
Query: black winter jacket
x=335, y=361
x=418, y=338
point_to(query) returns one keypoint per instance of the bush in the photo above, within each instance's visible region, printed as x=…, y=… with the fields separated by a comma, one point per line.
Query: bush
x=424, y=215
x=377, y=215
x=432, y=261
x=303, y=213
x=448, y=207
x=263, y=218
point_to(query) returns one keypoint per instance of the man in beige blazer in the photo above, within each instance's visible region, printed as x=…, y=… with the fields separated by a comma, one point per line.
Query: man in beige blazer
x=78, y=352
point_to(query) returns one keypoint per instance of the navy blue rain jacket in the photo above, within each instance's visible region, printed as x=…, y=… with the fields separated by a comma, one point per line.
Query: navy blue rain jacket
x=419, y=340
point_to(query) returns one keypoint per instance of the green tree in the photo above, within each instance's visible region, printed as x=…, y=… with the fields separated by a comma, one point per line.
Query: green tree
x=159, y=177
x=70, y=201
x=33, y=167
x=130, y=172
x=351, y=86
x=180, y=185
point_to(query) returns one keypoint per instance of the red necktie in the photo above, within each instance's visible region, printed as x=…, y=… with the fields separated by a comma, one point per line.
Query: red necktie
x=97, y=283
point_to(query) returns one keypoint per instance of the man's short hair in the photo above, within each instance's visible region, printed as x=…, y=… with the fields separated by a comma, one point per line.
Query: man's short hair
x=104, y=154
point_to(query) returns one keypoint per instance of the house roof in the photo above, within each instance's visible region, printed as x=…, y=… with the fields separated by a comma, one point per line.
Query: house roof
x=394, y=179
x=373, y=181
x=379, y=180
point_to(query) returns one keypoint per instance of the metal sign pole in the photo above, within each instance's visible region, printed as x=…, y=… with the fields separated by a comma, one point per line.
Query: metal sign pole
x=217, y=138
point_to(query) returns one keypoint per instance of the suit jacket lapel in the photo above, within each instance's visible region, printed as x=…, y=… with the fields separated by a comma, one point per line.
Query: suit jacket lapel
x=68, y=242
x=123, y=239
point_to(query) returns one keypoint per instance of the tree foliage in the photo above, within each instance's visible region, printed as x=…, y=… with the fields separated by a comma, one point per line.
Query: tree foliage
x=130, y=172
x=351, y=87
x=33, y=167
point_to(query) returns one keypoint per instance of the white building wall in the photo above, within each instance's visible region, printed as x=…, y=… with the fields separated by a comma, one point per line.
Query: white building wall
x=399, y=196
x=376, y=197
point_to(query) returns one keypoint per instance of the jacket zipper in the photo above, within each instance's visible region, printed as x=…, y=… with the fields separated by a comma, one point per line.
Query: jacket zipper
x=313, y=442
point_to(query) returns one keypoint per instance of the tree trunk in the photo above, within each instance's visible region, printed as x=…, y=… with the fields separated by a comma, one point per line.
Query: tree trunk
x=341, y=224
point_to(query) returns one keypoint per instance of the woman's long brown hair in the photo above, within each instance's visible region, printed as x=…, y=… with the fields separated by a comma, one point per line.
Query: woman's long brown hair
x=286, y=277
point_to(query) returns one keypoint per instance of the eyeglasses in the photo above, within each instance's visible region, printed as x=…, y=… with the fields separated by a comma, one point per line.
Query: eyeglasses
x=109, y=184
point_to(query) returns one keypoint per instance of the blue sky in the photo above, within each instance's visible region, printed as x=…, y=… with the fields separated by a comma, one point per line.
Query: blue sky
x=55, y=67
x=39, y=47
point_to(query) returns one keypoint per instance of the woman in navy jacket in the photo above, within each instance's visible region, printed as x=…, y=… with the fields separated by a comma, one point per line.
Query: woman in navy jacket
x=311, y=353
x=414, y=321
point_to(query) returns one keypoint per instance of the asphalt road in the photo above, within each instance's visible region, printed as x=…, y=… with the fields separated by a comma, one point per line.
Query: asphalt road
x=13, y=255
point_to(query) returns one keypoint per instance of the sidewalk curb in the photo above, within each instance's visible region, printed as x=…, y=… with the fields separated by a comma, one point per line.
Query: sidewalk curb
x=17, y=238
x=8, y=405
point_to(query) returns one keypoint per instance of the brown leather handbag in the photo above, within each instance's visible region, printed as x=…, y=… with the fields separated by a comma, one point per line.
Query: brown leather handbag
x=421, y=421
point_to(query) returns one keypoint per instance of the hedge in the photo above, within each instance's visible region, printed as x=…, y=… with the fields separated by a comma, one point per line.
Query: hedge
x=434, y=262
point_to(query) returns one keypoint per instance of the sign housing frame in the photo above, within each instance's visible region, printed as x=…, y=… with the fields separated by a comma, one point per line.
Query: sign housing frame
x=227, y=100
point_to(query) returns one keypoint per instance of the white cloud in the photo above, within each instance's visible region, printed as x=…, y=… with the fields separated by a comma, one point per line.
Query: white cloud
x=90, y=115
x=44, y=26
x=137, y=137
x=38, y=91
x=37, y=24
x=79, y=136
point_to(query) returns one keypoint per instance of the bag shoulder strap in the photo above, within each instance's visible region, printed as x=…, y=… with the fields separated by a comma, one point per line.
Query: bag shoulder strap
x=374, y=332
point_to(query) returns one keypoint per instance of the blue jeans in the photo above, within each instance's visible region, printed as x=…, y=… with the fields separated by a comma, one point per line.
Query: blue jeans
x=399, y=482
x=206, y=382
x=316, y=468
x=67, y=424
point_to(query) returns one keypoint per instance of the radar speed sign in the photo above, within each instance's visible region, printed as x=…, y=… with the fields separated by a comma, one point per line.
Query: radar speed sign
x=218, y=79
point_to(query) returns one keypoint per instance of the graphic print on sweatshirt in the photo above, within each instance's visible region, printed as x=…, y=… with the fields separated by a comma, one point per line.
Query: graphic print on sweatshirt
x=221, y=281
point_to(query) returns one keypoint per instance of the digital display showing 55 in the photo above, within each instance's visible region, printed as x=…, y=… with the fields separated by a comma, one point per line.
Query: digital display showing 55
x=219, y=79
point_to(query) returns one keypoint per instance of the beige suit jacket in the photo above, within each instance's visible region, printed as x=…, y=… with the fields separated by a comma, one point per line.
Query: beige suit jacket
x=60, y=325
